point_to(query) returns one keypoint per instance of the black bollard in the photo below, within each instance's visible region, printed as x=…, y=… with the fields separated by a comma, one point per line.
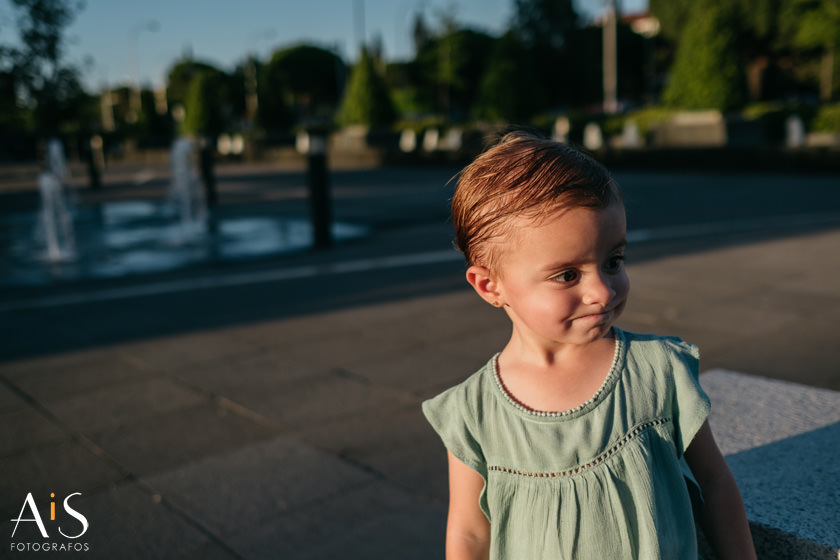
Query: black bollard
x=208, y=176
x=90, y=159
x=206, y=161
x=313, y=143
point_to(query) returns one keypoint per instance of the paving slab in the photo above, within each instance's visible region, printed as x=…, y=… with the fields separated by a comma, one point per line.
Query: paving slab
x=167, y=440
x=56, y=377
x=57, y=467
x=320, y=397
x=10, y=400
x=116, y=406
x=402, y=457
x=233, y=492
x=166, y=354
x=250, y=376
x=809, y=348
x=130, y=522
x=22, y=428
x=375, y=520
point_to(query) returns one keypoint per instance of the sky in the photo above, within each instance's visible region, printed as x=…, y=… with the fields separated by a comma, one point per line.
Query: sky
x=120, y=41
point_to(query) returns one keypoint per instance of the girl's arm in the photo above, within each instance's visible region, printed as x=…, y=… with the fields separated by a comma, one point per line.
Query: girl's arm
x=467, y=528
x=723, y=519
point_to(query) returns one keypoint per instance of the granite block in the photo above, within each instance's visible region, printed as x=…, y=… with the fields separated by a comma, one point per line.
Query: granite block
x=780, y=440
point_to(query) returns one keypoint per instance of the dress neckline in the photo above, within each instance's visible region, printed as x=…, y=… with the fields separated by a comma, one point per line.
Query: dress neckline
x=603, y=390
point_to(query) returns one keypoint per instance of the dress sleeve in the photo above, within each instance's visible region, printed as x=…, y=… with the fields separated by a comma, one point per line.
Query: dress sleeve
x=691, y=405
x=449, y=415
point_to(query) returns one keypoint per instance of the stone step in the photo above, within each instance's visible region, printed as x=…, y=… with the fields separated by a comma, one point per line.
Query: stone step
x=782, y=442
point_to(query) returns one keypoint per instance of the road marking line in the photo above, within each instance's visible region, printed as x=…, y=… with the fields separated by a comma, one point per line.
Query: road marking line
x=237, y=279
x=733, y=226
x=379, y=263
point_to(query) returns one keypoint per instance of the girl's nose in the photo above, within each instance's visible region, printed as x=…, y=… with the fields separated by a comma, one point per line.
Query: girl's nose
x=598, y=289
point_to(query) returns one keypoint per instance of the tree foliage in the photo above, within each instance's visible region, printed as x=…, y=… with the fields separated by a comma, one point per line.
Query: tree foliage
x=549, y=31
x=300, y=83
x=510, y=90
x=814, y=25
x=448, y=70
x=779, y=42
x=544, y=23
x=36, y=72
x=204, y=109
x=367, y=100
x=707, y=72
x=757, y=21
x=181, y=75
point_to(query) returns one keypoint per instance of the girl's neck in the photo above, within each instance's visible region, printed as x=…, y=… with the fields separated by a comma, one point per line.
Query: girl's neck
x=559, y=380
x=543, y=355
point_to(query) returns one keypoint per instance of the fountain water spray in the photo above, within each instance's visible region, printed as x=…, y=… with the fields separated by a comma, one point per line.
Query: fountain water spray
x=55, y=225
x=186, y=191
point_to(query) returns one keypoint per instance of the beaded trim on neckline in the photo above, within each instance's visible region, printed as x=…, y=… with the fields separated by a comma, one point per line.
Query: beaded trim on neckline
x=522, y=407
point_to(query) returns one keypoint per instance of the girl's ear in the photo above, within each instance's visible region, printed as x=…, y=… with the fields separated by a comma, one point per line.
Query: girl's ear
x=485, y=285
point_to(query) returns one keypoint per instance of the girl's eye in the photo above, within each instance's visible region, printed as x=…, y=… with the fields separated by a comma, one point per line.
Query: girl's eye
x=566, y=276
x=614, y=263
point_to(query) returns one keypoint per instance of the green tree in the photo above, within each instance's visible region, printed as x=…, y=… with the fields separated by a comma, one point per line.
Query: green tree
x=548, y=29
x=219, y=97
x=420, y=33
x=544, y=23
x=151, y=123
x=814, y=26
x=510, y=89
x=44, y=82
x=672, y=15
x=300, y=83
x=755, y=24
x=707, y=72
x=448, y=70
x=181, y=75
x=367, y=99
x=204, y=113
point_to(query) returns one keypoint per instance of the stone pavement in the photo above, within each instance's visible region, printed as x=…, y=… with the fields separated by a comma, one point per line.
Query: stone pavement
x=300, y=436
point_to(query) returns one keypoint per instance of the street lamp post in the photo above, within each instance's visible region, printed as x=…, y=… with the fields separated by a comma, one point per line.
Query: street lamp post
x=610, y=58
x=133, y=35
x=359, y=20
x=251, y=79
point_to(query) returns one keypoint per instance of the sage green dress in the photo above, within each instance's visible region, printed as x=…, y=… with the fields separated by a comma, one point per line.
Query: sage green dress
x=606, y=480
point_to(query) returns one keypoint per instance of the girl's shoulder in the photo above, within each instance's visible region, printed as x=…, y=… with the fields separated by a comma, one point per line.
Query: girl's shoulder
x=668, y=373
x=658, y=351
x=465, y=397
x=649, y=341
x=457, y=416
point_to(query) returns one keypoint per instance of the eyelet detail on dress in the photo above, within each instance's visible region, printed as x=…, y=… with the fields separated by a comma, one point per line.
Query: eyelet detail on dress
x=629, y=436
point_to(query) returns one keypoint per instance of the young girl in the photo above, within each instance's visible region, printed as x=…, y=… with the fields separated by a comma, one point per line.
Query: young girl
x=578, y=440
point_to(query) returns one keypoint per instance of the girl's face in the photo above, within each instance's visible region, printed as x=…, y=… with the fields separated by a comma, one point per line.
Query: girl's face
x=562, y=279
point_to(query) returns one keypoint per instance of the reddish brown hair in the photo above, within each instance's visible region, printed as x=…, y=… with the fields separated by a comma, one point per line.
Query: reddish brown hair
x=523, y=175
